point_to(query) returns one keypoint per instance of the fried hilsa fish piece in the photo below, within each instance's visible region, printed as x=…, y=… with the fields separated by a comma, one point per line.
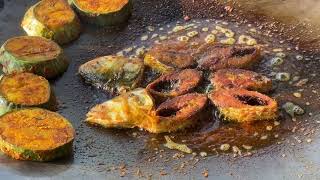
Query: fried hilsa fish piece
x=174, y=84
x=177, y=113
x=244, y=106
x=171, y=55
x=215, y=57
x=239, y=78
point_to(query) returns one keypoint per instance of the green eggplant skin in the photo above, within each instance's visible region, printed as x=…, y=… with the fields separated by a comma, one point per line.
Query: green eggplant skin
x=37, y=62
x=63, y=33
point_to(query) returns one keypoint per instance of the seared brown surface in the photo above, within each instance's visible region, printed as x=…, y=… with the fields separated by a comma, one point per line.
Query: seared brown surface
x=222, y=56
x=178, y=113
x=32, y=48
x=175, y=54
x=99, y=150
x=175, y=84
x=35, y=129
x=54, y=13
x=244, y=106
x=239, y=78
x=102, y=6
x=25, y=89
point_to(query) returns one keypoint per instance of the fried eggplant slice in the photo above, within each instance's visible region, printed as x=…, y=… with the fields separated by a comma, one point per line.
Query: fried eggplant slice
x=35, y=134
x=176, y=114
x=241, y=105
x=215, y=57
x=113, y=73
x=52, y=19
x=103, y=12
x=33, y=54
x=25, y=90
x=174, y=84
x=169, y=56
x=125, y=111
x=239, y=78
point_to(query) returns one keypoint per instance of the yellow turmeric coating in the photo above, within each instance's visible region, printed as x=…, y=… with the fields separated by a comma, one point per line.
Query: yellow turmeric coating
x=32, y=48
x=101, y=6
x=35, y=129
x=54, y=13
x=25, y=89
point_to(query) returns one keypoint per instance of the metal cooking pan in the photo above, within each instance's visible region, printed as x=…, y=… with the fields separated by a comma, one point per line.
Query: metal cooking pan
x=101, y=153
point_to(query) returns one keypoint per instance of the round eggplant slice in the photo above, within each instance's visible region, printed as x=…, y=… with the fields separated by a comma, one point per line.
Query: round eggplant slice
x=176, y=114
x=25, y=90
x=238, y=78
x=169, y=56
x=103, y=12
x=215, y=57
x=125, y=111
x=113, y=73
x=52, y=19
x=174, y=84
x=244, y=106
x=33, y=54
x=35, y=134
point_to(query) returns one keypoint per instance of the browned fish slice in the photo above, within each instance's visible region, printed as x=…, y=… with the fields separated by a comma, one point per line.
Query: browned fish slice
x=244, y=106
x=171, y=55
x=215, y=57
x=239, y=78
x=177, y=113
x=174, y=84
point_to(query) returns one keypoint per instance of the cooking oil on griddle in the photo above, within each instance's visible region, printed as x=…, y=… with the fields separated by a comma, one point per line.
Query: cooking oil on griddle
x=281, y=61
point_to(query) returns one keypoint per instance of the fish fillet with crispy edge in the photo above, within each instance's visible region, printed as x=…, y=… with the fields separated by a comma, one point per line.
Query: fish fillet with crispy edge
x=169, y=56
x=176, y=114
x=137, y=109
x=127, y=110
x=219, y=56
x=244, y=106
x=175, y=84
x=113, y=73
x=239, y=78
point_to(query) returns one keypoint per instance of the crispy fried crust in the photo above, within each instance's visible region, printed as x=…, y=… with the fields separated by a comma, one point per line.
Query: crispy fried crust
x=52, y=19
x=175, y=84
x=244, y=106
x=103, y=12
x=215, y=57
x=176, y=114
x=101, y=6
x=137, y=109
x=33, y=54
x=32, y=49
x=54, y=13
x=238, y=78
x=169, y=56
x=125, y=111
x=25, y=89
x=113, y=73
x=35, y=134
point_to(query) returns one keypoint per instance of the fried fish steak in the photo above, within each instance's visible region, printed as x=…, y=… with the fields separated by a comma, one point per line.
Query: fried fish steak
x=239, y=78
x=177, y=113
x=219, y=56
x=125, y=111
x=174, y=84
x=171, y=55
x=241, y=105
